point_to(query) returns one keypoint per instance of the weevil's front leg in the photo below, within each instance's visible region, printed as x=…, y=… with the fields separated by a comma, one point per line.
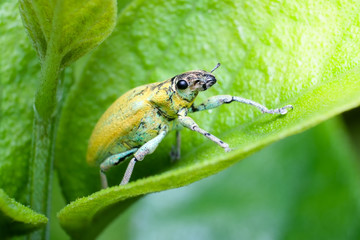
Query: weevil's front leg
x=191, y=124
x=144, y=150
x=216, y=101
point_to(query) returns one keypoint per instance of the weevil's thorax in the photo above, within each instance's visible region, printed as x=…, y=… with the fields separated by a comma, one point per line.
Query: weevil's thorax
x=180, y=91
x=167, y=101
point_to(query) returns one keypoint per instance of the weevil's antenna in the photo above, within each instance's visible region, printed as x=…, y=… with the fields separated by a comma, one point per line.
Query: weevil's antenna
x=217, y=65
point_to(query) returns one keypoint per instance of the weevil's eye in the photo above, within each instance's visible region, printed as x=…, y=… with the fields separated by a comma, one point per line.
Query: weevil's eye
x=182, y=84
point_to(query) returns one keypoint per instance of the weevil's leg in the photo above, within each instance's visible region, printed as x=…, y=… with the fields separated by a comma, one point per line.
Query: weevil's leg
x=144, y=150
x=176, y=150
x=191, y=124
x=110, y=162
x=103, y=179
x=216, y=101
x=128, y=171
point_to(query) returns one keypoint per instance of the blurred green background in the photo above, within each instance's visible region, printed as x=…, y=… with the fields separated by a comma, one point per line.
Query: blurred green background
x=303, y=187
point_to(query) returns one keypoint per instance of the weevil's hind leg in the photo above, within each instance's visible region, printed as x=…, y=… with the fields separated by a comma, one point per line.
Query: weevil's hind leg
x=103, y=179
x=128, y=171
x=144, y=150
x=176, y=150
x=111, y=161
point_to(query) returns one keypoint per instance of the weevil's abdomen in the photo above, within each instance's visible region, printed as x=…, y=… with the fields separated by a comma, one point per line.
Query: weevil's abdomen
x=115, y=125
x=128, y=123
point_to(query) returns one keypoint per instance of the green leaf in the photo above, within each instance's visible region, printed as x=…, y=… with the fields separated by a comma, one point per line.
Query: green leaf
x=62, y=32
x=19, y=72
x=305, y=54
x=16, y=219
x=304, y=187
x=60, y=37
x=73, y=28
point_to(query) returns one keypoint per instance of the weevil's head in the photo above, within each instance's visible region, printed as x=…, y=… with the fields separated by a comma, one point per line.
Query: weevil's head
x=188, y=84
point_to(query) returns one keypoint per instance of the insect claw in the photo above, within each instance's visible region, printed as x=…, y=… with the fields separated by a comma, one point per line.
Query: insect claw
x=283, y=111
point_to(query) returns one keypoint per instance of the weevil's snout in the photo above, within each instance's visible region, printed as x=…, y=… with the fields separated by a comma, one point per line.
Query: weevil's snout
x=210, y=80
x=207, y=80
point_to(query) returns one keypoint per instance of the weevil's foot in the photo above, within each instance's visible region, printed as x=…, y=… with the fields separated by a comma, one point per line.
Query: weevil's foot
x=174, y=154
x=227, y=149
x=225, y=146
x=284, y=110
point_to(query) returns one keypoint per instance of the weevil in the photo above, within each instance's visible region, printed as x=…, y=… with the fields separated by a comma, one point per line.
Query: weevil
x=138, y=121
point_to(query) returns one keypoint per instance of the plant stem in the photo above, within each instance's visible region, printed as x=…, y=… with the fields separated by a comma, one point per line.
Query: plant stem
x=45, y=120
